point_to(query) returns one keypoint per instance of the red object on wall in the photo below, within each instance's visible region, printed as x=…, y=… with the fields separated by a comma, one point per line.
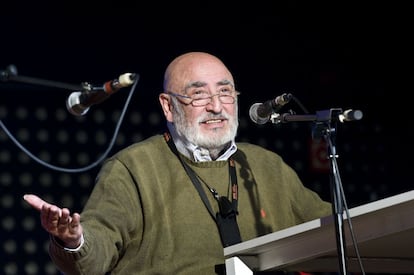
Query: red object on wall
x=318, y=156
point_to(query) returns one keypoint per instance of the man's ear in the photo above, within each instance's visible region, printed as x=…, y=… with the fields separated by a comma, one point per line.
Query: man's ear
x=166, y=106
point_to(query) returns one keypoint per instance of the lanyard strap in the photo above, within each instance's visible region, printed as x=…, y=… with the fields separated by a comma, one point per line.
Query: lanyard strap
x=226, y=218
x=234, y=186
x=224, y=204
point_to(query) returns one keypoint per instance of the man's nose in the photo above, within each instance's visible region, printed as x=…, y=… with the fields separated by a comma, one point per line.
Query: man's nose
x=215, y=103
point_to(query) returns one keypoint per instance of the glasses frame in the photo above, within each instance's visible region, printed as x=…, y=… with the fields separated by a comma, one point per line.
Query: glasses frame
x=192, y=100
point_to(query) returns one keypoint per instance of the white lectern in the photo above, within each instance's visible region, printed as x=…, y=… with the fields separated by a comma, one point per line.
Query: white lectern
x=384, y=231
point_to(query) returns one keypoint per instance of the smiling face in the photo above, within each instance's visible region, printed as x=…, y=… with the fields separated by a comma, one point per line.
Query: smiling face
x=212, y=126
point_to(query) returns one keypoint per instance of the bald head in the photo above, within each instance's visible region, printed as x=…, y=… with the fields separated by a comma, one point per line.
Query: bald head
x=189, y=66
x=212, y=123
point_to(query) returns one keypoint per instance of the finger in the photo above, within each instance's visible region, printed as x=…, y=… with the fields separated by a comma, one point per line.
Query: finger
x=64, y=220
x=75, y=223
x=34, y=201
x=75, y=229
x=69, y=229
x=49, y=216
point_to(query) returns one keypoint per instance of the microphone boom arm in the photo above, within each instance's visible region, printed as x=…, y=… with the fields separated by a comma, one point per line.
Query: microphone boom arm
x=10, y=74
x=320, y=116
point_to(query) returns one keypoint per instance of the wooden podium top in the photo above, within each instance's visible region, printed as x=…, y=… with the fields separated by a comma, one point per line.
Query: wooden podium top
x=383, y=229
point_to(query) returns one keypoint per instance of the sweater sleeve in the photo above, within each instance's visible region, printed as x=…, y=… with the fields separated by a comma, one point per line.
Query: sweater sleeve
x=307, y=204
x=108, y=223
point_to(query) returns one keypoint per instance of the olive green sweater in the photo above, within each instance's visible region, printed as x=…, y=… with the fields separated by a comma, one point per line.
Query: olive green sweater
x=145, y=216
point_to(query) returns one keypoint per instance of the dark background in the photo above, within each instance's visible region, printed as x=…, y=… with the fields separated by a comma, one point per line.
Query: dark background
x=346, y=55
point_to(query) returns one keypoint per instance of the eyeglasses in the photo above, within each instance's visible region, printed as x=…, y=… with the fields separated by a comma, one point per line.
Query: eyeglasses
x=203, y=98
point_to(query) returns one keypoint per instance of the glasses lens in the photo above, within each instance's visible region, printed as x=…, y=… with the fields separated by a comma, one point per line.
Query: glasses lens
x=227, y=99
x=201, y=101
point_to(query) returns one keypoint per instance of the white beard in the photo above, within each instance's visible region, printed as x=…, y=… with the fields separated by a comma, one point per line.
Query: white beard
x=216, y=141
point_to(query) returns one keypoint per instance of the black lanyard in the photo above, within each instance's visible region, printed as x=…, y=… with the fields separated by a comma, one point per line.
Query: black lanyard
x=223, y=201
x=226, y=218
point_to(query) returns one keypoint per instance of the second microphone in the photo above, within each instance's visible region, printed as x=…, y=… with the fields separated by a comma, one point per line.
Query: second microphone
x=260, y=112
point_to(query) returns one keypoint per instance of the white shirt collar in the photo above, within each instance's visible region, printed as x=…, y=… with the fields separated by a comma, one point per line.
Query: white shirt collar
x=195, y=152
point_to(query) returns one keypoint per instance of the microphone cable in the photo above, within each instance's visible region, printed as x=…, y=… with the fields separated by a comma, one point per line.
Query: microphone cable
x=90, y=166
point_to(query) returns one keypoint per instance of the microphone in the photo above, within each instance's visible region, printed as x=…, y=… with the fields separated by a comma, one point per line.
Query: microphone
x=350, y=115
x=78, y=103
x=260, y=112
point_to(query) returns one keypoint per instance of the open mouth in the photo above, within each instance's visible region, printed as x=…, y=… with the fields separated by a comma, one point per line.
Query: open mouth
x=213, y=121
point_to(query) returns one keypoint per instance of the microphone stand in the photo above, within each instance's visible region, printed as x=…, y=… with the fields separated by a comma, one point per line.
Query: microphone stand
x=325, y=122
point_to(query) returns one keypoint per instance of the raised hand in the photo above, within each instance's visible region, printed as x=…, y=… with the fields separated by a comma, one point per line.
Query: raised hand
x=58, y=221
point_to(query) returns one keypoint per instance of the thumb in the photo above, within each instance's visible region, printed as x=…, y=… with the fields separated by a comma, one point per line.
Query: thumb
x=34, y=201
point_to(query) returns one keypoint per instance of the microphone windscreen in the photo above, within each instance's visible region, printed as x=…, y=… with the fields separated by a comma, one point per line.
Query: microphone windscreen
x=74, y=106
x=254, y=115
